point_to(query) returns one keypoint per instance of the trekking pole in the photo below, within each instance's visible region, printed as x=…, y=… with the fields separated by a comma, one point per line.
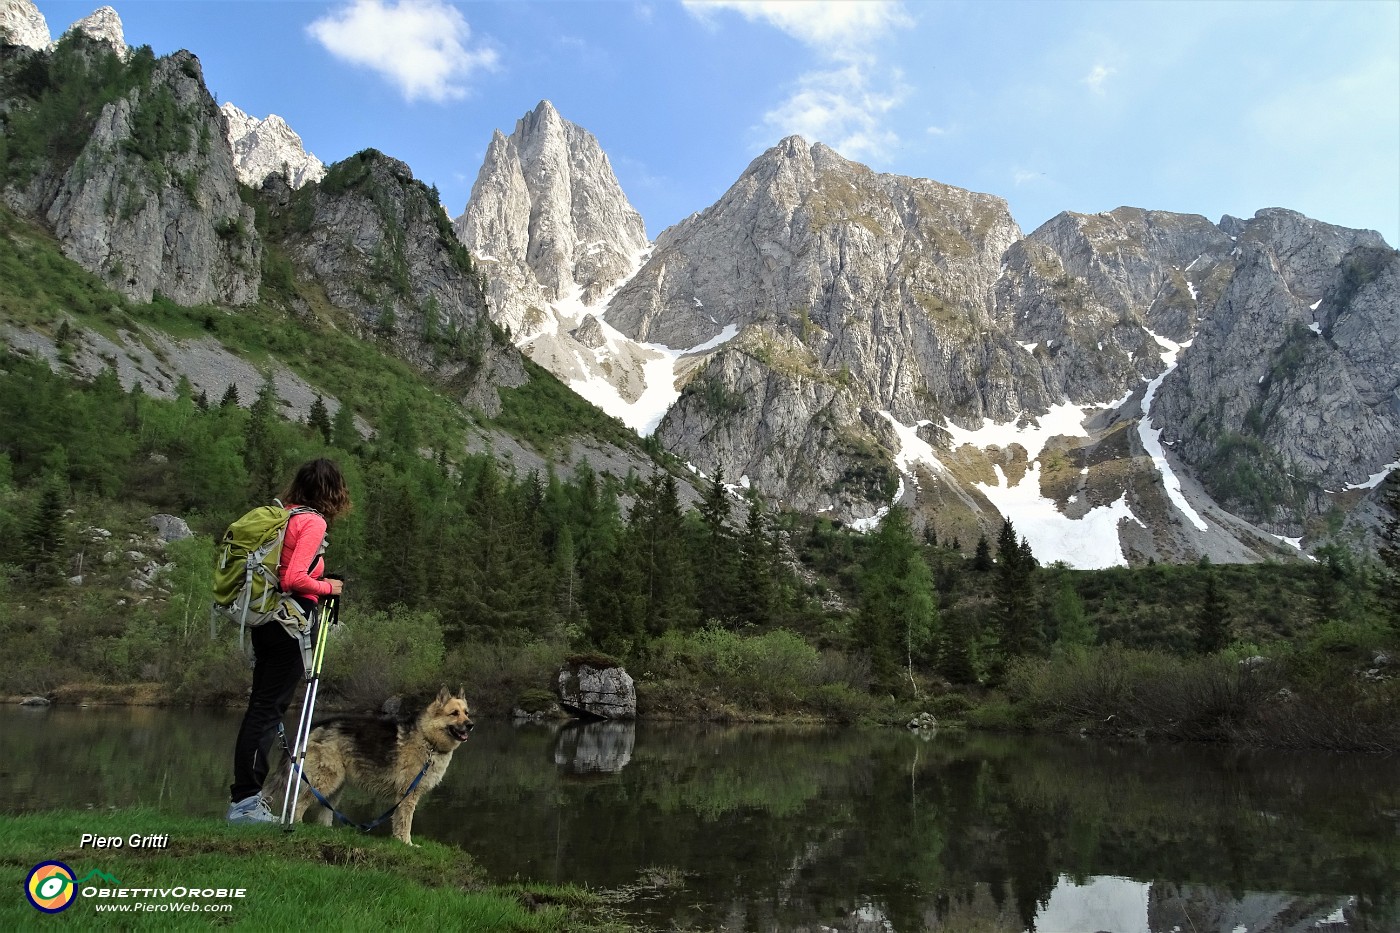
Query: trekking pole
x=312, y=658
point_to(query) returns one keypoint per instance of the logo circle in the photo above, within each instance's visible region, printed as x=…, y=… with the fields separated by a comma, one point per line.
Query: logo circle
x=50, y=887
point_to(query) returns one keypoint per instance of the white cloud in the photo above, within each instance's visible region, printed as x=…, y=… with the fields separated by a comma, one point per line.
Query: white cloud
x=1021, y=176
x=420, y=46
x=839, y=28
x=841, y=104
x=837, y=108
x=1096, y=78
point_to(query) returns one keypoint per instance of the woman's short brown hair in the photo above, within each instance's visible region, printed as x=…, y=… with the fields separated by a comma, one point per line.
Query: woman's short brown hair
x=321, y=486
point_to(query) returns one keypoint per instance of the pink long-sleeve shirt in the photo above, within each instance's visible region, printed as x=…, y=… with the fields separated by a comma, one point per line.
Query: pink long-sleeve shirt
x=300, y=570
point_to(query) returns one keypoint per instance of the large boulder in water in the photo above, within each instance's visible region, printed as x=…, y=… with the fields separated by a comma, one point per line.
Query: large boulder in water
x=596, y=688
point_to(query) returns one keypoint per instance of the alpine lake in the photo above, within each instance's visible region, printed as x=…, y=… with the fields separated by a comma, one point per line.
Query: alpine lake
x=765, y=828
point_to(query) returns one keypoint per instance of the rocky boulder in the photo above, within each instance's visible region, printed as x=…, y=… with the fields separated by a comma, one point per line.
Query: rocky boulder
x=170, y=527
x=595, y=689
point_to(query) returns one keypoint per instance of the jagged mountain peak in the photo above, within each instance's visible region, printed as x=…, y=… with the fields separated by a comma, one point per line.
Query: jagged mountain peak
x=22, y=24
x=549, y=218
x=104, y=25
x=262, y=147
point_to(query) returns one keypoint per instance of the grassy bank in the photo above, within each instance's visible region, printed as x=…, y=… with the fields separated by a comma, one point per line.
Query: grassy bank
x=314, y=878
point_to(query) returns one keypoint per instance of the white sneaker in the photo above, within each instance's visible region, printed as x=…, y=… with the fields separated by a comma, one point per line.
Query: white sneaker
x=250, y=810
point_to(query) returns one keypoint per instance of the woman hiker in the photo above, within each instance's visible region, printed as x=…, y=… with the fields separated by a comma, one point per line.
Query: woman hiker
x=277, y=660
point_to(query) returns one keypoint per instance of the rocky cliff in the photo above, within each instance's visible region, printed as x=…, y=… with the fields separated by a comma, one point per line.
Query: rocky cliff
x=1290, y=394
x=379, y=245
x=842, y=339
x=548, y=220
x=22, y=24
x=139, y=187
x=262, y=147
x=853, y=293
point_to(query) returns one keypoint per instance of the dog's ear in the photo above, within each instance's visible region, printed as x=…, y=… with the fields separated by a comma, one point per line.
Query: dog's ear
x=444, y=694
x=461, y=693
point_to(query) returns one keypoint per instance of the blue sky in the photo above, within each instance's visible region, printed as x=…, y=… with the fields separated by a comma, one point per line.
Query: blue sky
x=1199, y=107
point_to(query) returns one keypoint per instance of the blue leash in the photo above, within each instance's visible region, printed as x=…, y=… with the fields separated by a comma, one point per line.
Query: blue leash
x=321, y=799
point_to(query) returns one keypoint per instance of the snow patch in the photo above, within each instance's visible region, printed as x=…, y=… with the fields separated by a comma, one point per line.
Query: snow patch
x=658, y=373
x=1152, y=437
x=1296, y=543
x=1376, y=478
x=1088, y=543
x=1030, y=347
x=1316, y=328
x=1313, y=306
x=1065, y=419
x=1191, y=287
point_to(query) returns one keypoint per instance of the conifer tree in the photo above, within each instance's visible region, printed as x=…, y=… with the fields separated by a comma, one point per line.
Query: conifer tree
x=45, y=534
x=898, y=617
x=230, y=398
x=1212, y=618
x=717, y=554
x=319, y=419
x=982, y=558
x=343, y=433
x=757, y=587
x=1389, y=552
x=262, y=451
x=1015, y=595
x=657, y=539
x=1072, y=625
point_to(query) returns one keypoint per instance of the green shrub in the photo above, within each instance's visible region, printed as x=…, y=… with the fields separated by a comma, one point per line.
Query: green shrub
x=215, y=672
x=372, y=657
x=497, y=674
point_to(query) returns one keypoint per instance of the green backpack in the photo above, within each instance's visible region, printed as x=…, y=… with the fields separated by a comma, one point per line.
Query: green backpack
x=246, y=588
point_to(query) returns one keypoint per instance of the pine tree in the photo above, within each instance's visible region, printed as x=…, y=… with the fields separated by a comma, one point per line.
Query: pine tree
x=956, y=661
x=1389, y=552
x=1015, y=595
x=897, y=622
x=319, y=419
x=262, y=451
x=343, y=433
x=718, y=597
x=230, y=398
x=45, y=534
x=1213, y=617
x=757, y=587
x=982, y=559
x=1072, y=625
x=656, y=534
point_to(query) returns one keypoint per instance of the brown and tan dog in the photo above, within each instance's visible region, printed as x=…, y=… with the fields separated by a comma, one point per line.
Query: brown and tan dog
x=384, y=755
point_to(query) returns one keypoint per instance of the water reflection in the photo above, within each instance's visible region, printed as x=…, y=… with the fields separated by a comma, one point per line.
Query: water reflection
x=597, y=747
x=767, y=829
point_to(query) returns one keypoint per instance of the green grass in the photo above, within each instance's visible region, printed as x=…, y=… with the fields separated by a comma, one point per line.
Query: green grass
x=315, y=878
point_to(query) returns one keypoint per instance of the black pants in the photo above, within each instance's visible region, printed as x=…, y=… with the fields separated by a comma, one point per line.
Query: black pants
x=277, y=671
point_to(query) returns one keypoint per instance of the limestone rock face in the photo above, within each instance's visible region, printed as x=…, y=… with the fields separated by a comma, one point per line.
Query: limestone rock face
x=1084, y=293
x=548, y=220
x=379, y=243
x=1293, y=378
x=104, y=25
x=21, y=23
x=151, y=202
x=853, y=293
x=597, y=692
x=261, y=147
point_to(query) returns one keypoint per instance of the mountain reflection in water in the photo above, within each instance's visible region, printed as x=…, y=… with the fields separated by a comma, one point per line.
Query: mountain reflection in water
x=808, y=829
